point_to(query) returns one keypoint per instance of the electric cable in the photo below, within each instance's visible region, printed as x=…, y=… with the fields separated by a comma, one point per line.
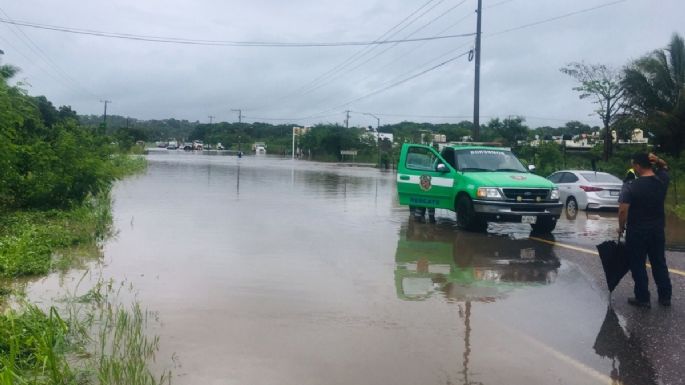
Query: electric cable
x=351, y=59
x=395, y=84
x=385, y=50
x=604, y=5
x=44, y=56
x=228, y=43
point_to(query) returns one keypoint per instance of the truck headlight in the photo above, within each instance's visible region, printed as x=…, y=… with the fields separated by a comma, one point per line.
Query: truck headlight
x=488, y=193
x=554, y=195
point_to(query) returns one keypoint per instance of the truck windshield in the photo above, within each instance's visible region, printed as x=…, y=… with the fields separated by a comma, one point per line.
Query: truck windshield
x=488, y=160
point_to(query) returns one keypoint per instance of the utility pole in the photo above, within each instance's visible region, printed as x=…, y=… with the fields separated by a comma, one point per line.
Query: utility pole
x=240, y=114
x=476, y=87
x=211, y=118
x=104, y=117
x=347, y=119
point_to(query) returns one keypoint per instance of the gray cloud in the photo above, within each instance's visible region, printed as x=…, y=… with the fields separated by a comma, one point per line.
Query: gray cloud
x=520, y=73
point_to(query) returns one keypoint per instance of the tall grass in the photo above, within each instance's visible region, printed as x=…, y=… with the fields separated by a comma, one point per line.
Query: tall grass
x=30, y=239
x=35, y=242
x=100, y=340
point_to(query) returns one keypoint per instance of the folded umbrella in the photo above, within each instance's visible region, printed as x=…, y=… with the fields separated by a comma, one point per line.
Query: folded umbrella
x=614, y=261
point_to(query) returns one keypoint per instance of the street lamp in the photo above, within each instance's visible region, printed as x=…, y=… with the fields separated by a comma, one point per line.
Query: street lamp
x=378, y=136
x=378, y=120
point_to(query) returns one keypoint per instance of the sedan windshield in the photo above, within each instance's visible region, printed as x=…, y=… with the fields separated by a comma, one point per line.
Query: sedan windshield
x=488, y=160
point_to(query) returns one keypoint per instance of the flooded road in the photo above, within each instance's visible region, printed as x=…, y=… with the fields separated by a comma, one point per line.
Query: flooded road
x=269, y=271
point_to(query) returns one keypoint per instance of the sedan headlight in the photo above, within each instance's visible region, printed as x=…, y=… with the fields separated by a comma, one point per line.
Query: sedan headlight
x=554, y=195
x=488, y=193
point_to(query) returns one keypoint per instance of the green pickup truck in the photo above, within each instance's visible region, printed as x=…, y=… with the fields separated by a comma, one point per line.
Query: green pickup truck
x=482, y=184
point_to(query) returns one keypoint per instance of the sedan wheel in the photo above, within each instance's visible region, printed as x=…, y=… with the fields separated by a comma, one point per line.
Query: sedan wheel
x=571, y=208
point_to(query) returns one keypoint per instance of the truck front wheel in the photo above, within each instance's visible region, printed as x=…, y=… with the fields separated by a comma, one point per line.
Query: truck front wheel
x=544, y=225
x=467, y=218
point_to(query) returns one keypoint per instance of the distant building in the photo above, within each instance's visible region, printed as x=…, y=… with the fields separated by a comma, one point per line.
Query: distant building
x=380, y=135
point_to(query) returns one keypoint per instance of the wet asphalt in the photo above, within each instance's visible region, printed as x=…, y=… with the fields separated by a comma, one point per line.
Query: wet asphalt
x=271, y=271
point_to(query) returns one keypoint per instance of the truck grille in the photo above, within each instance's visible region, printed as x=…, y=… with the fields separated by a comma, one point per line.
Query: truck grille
x=526, y=194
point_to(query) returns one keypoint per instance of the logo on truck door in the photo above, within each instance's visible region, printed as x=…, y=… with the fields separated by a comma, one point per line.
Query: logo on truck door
x=425, y=182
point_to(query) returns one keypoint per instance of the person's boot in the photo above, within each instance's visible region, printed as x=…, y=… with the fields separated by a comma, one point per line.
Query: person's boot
x=665, y=302
x=637, y=303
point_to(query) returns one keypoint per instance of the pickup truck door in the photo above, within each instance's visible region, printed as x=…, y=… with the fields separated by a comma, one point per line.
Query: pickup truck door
x=419, y=183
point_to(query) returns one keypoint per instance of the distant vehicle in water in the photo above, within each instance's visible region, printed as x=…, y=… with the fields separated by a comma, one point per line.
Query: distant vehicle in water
x=198, y=145
x=187, y=146
x=172, y=145
x=259, y=148
x=586, y=190
x=220, y=146
x=162, y=144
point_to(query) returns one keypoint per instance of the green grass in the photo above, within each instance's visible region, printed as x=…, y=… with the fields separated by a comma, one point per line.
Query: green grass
x=35, y=242
x=94, y=339
x=124, y=165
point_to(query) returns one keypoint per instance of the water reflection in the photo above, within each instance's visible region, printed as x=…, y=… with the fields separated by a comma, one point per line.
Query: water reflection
x=464, y=266
x=630, y=365
x=594, y=227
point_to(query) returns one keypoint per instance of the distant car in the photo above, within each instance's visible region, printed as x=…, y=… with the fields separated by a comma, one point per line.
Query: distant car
x=586, y=190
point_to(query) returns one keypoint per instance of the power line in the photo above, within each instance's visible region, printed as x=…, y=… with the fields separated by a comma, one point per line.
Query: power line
x=386, y=49
x=501, y=32
x=333, y=72
x=229, y=43
x=556, y=18
x=407, y=53
x=34, y=62
x=44, y=56
x=254, y=118
x=364, y=50
x=397, y=83
x=498, y=4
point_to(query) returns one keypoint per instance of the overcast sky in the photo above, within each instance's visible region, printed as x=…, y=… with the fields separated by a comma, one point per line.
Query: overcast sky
x=520, y=69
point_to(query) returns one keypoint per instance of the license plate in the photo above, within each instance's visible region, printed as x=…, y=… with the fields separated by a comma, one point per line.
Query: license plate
x=528, y=253
x=613, y=193
x=529, y=219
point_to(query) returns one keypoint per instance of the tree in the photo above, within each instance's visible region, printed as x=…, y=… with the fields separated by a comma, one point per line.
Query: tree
x=605, y=86
x=512, y=130
x=575, y=127
x=655, y=91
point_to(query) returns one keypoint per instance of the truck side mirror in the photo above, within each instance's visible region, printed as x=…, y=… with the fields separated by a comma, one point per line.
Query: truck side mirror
x=531, y=167
x=441, y=168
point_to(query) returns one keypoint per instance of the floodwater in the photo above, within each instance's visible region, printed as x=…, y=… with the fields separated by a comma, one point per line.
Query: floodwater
x=272, y=271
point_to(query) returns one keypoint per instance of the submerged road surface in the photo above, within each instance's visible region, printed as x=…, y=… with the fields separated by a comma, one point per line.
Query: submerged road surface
x=271, y=271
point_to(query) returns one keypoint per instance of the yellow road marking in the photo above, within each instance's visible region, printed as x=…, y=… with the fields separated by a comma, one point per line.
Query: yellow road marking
x=579, y=366
x=593, y=252
x=562, y=357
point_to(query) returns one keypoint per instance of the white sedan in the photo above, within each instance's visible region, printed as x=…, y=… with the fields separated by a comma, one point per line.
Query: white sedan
x=586, y=190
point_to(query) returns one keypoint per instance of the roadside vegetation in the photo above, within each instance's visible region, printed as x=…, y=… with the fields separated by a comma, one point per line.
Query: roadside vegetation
x=55, y=208
x=91, y=339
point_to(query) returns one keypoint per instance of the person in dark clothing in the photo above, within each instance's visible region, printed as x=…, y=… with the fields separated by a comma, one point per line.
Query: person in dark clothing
x=641, y=215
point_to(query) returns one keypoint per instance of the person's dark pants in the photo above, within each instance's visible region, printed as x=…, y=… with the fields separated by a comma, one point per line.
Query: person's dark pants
x=641, y=243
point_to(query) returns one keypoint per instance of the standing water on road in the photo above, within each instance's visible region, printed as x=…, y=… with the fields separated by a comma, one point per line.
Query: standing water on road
x=272, y=271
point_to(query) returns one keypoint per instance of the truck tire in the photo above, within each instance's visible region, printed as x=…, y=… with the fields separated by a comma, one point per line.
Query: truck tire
x=544, y=225
x=467, y=218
